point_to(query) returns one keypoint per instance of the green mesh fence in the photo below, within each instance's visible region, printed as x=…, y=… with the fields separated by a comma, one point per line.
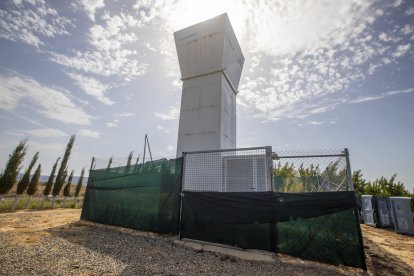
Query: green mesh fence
x=333, y=238
x=330, y=239
x=247, y=236
x=144, y=196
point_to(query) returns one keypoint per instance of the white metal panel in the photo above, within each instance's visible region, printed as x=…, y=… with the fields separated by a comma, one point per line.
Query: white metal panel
x=200, y=47
x=233, y=58
x=368, y=210
x=403, y=218
x=228, y=116
x=208, y=104
x=200, y=127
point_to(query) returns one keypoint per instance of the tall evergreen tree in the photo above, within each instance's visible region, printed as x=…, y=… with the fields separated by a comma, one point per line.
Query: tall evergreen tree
x=109, y=163
x=8, y=177
x=59, y=178
x=34, y=182
x=24, y=182
x=79, y=186
x=65, y=174
x=128, y=166
x=49, y=183
x=66, y=190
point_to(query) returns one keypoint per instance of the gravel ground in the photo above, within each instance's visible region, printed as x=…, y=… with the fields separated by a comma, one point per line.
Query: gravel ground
x=56, y=243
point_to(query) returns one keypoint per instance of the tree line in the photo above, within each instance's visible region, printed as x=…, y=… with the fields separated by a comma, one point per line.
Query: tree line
x=29, y=183
x=304, y=179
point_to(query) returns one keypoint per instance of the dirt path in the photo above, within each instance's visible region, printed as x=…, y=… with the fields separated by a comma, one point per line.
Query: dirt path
x=388, y=253
x=63, y=245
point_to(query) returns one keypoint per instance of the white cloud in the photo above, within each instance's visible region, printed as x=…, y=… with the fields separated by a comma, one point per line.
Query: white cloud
x=397, y=3
x=410, y=11
x=401, y=50
x=407, y=29
x=89, y=133
x=382, y=95
x=31, y=22
x=92, y=87
x=125, y=115
x=372, y=68
x=172, y=114
x=52, y=103
x=163, y=129
x=113, y=50
x=91, y=6
x=41, y=132
x=111, y=124
x=311, y=123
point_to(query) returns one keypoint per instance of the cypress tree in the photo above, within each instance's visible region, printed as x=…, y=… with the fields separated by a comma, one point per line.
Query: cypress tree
x=66, y=190
x=24, y=182
x=109, y=163
x=49, y=183
x=79, y=186
x=129, y=161
x=8, y=177
x=34, y=182
x=65, y=174
x=59, y=178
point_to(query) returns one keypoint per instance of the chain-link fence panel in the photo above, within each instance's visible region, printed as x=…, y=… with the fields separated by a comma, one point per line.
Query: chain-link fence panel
x=311, y=171
x=233, y=170
x=143, y=196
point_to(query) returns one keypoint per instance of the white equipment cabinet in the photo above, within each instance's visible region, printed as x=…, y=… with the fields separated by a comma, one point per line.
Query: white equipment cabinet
x=403, y=218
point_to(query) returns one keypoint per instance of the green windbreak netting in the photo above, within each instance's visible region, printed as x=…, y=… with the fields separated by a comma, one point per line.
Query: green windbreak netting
x=247, y=236
x=331, y=239
x=143, y=196
x=316, y=226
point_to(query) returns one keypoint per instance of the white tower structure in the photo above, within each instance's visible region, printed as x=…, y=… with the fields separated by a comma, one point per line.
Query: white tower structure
x=211, y=63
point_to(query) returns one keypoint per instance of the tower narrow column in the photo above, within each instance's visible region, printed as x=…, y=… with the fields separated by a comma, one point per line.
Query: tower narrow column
x=211, y=63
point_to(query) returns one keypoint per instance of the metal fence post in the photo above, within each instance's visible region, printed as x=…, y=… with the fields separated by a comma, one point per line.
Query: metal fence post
x=92, y=163
x=181, y=196
x=350, y=185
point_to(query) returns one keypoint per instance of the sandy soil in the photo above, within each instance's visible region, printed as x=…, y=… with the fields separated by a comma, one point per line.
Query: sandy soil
x=387, y=253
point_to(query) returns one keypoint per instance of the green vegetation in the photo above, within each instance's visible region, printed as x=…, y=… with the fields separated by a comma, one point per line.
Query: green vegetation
x=24, y=182
x=36, y=203
x=34, y=182
x=79, y=186
x=49, y=183
x=60, y=178
x=9, y=175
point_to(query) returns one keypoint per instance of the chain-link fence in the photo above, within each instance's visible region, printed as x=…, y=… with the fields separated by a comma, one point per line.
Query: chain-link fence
x=304, y=207
x=294, y=202
x=236, y=170
x=312, y=171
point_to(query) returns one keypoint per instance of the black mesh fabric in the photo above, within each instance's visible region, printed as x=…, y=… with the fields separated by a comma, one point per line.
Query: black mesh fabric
x=146, y=197
x=330, y=239
x=316, y=226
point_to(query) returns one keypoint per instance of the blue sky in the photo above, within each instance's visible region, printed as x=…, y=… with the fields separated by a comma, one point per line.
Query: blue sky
x=318, y=74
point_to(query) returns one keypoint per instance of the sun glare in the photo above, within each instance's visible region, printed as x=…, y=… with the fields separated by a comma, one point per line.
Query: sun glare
x=190, y=12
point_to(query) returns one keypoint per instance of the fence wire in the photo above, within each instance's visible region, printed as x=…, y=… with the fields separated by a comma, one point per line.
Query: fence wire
x=311, y=171
x=235, y=170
